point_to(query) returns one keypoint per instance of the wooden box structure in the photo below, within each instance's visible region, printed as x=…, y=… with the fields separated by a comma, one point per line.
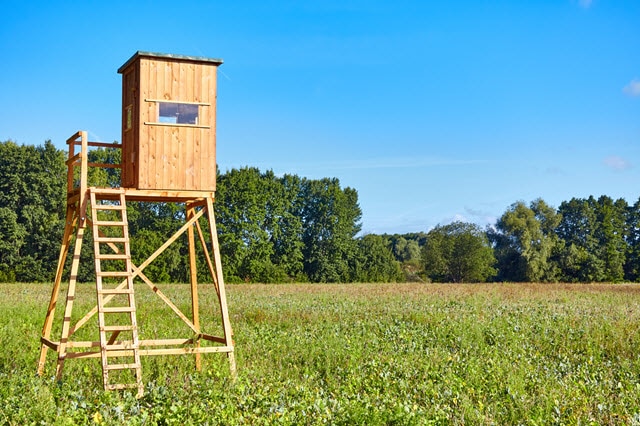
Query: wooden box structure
x=168, y=155
x=169, y=122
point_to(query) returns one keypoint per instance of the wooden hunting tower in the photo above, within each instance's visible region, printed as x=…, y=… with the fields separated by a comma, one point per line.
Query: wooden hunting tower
x=169, y=122
x=168, y=156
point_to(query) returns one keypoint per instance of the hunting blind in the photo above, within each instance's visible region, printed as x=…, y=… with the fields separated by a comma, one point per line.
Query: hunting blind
x=169, y=156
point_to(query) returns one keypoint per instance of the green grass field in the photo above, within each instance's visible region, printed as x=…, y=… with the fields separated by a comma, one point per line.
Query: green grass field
x=353, y=354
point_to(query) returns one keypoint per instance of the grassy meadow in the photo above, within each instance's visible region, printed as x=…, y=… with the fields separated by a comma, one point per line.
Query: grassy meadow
x=350, y=354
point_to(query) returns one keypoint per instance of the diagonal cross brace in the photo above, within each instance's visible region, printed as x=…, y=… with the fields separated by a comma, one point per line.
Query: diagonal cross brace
x=137, y=271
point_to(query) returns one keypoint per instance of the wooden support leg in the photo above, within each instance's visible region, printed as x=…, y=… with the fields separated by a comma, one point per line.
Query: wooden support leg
x=193, y=272
x=71, y=293
x=64, y=249
x=226, y=323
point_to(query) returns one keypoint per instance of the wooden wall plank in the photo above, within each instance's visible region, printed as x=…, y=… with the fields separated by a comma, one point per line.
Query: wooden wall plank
x=201, y=180
x=211, y=163
x=148, y=144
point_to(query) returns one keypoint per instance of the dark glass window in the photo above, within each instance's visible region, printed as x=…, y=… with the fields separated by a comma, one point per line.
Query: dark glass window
x=171, y=112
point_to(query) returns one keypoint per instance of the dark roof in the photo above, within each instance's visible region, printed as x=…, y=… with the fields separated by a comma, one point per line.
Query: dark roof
x=140, y=54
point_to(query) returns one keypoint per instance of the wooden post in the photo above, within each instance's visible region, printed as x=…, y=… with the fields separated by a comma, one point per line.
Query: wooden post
x=71, y=293
x=193, y=273
x=222, y=296
x=70, y=223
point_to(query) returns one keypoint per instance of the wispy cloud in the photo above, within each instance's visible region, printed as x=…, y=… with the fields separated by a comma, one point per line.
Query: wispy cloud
x=373, y=164
x=585, y=3
x=633, y=88
x=617, y=163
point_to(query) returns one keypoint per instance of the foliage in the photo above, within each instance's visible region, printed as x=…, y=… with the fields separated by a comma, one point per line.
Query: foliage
x=375, y=262
x=32, y=208
x=525, y=241
x=354, y=354
x=275, y=229
x=331, y=220
x=458, y=252
x=407, y=249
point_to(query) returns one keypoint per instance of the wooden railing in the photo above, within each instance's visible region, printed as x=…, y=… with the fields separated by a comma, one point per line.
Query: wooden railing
x=81, y=159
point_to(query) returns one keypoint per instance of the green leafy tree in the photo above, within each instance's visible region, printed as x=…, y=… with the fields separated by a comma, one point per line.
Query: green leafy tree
x=331, y=219
x=525, y=243
x=610, y=233
x=579, y=260
x=458, y=252
x=632, y=263
x=375, y=261
x=246, y=213
x=32, y=186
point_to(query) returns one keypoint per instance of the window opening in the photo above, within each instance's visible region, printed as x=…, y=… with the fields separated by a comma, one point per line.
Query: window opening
x=178, y=113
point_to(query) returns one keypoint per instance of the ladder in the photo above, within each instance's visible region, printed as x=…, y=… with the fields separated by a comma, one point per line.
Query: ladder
x=119, y=343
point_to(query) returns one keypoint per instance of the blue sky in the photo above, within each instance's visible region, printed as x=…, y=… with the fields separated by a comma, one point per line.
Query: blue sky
x=433, y=111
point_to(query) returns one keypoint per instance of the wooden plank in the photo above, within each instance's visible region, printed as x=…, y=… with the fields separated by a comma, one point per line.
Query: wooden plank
x=212, y=271
x=188, y=77
x=180, y=101
x=146, y=150
x=165, y=342
x=120, y=386
x=117, y=309
x=211, y=135
x=111, y=239
x=147, y=352
x=167, y=301
x=127, y=346
x=49, y=344
x=109, y=223
x=112, y=274
x=193, y=126
x=70, y=224
x=84, y=153
x=226, y=323
x=73, y=160
x=185, y=351
x=110, y=328
x=188, y=171
x=72, y=140
x=71, y=291
x=193, y=278
x=154, y=140
x=204, y=148
x=117, y=256
x=108, y=291
x=103, y=191
x=214, y=338
x=104, y=144
x=168, y=243
x=122, y=367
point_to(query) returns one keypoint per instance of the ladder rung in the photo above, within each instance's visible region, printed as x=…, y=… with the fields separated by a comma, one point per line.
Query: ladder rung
x=104, y=291
x=121, y=347
x=111, y=239
x=103, y=190
x=112, y=274
x=117, y=309
x=118, y=386
x=118, y=328
x=109, y=223
x=108, y=207
x=118, y=256
x=131, y=366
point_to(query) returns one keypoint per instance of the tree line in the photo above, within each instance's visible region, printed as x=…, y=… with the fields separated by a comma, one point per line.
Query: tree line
x=293, y=229
x=271, y=228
